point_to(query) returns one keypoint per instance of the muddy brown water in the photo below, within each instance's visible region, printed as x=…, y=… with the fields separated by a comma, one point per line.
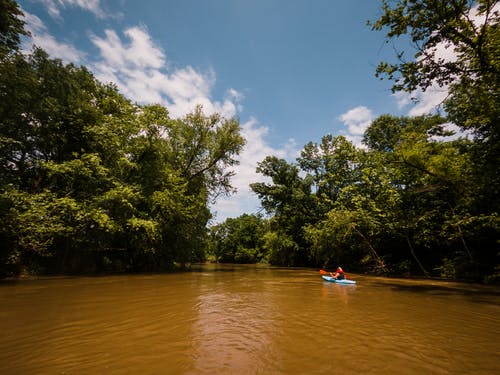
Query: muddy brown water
x=247, y=320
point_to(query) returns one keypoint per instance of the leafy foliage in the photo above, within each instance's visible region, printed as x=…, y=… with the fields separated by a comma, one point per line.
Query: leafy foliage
x=11, y=27
x=238, y=240
x=406, y=205
x=91, y=182
x=469, y=28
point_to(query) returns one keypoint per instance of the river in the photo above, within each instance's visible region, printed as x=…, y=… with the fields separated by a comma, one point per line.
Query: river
x=228, y=319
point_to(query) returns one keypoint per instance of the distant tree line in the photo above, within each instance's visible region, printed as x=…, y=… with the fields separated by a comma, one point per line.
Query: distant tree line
x=416, y=201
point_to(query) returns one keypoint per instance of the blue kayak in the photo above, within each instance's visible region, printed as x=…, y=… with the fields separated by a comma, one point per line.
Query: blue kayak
x=334, y=280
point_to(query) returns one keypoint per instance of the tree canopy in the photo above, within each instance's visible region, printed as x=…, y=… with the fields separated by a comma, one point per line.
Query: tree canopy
x=91, y=182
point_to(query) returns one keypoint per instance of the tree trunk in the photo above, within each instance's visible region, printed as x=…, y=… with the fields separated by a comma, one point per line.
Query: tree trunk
x=380, y=261
x=412, y=251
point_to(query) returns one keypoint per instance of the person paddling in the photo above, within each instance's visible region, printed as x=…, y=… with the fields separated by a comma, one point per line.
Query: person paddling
x=339, y=274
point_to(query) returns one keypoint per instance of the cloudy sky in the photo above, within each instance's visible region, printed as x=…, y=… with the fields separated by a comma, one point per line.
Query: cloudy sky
x=291, y=71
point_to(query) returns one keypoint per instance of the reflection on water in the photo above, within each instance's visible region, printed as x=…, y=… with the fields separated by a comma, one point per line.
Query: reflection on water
x=340, y=292
x=247, y=320
x=233, y=329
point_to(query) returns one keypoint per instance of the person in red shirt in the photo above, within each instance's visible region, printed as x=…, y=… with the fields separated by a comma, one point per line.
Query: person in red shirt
x=339, y=274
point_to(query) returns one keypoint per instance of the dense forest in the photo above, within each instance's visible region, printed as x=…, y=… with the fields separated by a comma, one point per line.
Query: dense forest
x=419, y=199
x=91, y=182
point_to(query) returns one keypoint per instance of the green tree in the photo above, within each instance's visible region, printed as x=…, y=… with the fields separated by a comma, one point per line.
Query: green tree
x=347, y=236
x=182, y=165
x=435, y=183
x=332, y=166
x=11, y=27
x=238, y=240
x=385, y=132
x=208, y=148
x=470, y=29
x=289, y=199
x=49, y=113
x=280, y=248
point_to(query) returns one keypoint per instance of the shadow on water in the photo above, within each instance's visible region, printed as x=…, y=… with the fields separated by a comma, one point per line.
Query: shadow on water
x=475, y=293
x=235, y=267
x=225, y=267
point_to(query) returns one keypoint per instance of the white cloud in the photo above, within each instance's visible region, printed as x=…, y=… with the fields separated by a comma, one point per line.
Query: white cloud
x=422, y=102
x=140, y=69
x=457, y=133
x=54, y=6
x=256, y=149
x=33, y=23
x=429, y=101
x=140, y=52
x=41, y=38
x=356, y=120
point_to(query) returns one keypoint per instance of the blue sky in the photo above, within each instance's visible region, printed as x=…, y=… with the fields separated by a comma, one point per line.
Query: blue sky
x=292, y=71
